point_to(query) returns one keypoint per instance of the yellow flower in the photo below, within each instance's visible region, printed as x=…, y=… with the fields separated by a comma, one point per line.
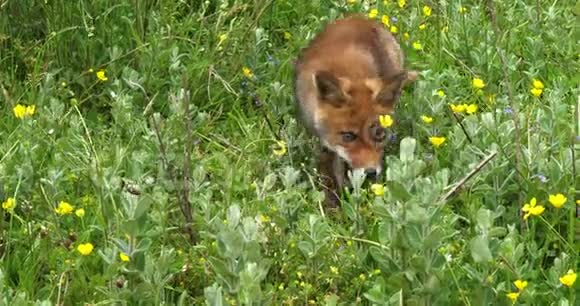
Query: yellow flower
x=427, y=119
x=362, y=277
x=557, y=200
x=264, y=218
x=462, y=10
x=513, y=296
x=124, y=257
x=458, y=108
x=280, y=148
x=536, y=92
x=532, y=209
x=21, y=111
x=373, y=13
x=80, y=212
x=247, y=72
x=537, y=84
x=417, y=46
x=436, y=141
x=287, y=35
x=351, y=2
x=471, y=109
x=406, y=36
x=440, y=93
x=394, y=29
x=64, y=208
x=402, y=3
x=85, y=248
x=334, y=270
x=477, y=83
x=568, y=279
x=385, y=20
x=577, y=202
x=378, y=189
x=520, y=284
x=427, y=10
x=9, y=204
x=101, y=75
x=386, y=121
x=422, y=26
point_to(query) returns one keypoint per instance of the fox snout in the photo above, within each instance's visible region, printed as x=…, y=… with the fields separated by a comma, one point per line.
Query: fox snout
x=370, y=160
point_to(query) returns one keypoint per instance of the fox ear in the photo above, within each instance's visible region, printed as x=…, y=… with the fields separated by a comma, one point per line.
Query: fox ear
x=329, y=87
x=392, y=87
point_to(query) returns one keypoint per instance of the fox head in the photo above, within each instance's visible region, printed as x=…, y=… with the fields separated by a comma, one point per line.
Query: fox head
x=348, y=115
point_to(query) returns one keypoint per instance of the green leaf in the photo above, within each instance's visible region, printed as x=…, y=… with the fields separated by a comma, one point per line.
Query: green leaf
x=480, y=249
x=214, y=296
x=234, y=216
x=408, y=145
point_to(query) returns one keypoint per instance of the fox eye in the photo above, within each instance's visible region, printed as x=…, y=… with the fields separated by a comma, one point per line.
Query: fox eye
x=348, y=136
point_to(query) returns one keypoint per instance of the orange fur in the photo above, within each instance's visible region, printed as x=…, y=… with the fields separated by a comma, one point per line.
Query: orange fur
x=350, y=74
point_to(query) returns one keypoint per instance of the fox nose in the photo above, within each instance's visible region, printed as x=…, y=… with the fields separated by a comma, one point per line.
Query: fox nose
x=371, y=173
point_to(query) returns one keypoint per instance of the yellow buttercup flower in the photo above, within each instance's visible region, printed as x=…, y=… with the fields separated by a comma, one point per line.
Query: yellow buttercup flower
x=513, y=296
x=477, y=83
x=80, y=212
x=402, y=3
x=471, y=109
x=334, y=270
x=437, y=141
x=394, y=29
x=427, y=11
x=386, y=121
x=406, y=36
x=9, y=204
x=577, y=202
x=427, y=119
x=378, y=189
x=422, y=26
x=536, y=92
x=19, y=111
x=521, y=284
x=417, y=46
x=568, y=279
x=124, y=257
x=287, y=35
x=64, y=208
x=247, y=72
x=557, y=200
x=280, y=148
x=85, y=248
x=101, y=75
x=458, y=108
x=373, y=13
x=462, y=10
x=440, y=93
x=532, y=209
x=385, y=20
x=537, y=84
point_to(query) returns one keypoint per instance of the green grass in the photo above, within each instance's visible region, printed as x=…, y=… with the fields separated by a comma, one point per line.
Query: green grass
x=178, y=122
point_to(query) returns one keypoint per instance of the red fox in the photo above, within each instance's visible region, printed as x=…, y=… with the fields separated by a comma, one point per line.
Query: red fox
x=350, y=74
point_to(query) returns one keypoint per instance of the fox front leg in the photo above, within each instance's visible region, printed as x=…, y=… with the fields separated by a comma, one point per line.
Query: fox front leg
x=332, y=170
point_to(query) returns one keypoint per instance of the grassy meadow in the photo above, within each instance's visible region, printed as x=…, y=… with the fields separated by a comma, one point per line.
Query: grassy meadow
x=150, y=155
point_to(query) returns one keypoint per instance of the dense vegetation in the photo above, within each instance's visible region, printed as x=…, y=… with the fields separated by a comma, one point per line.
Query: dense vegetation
x=150, y=154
